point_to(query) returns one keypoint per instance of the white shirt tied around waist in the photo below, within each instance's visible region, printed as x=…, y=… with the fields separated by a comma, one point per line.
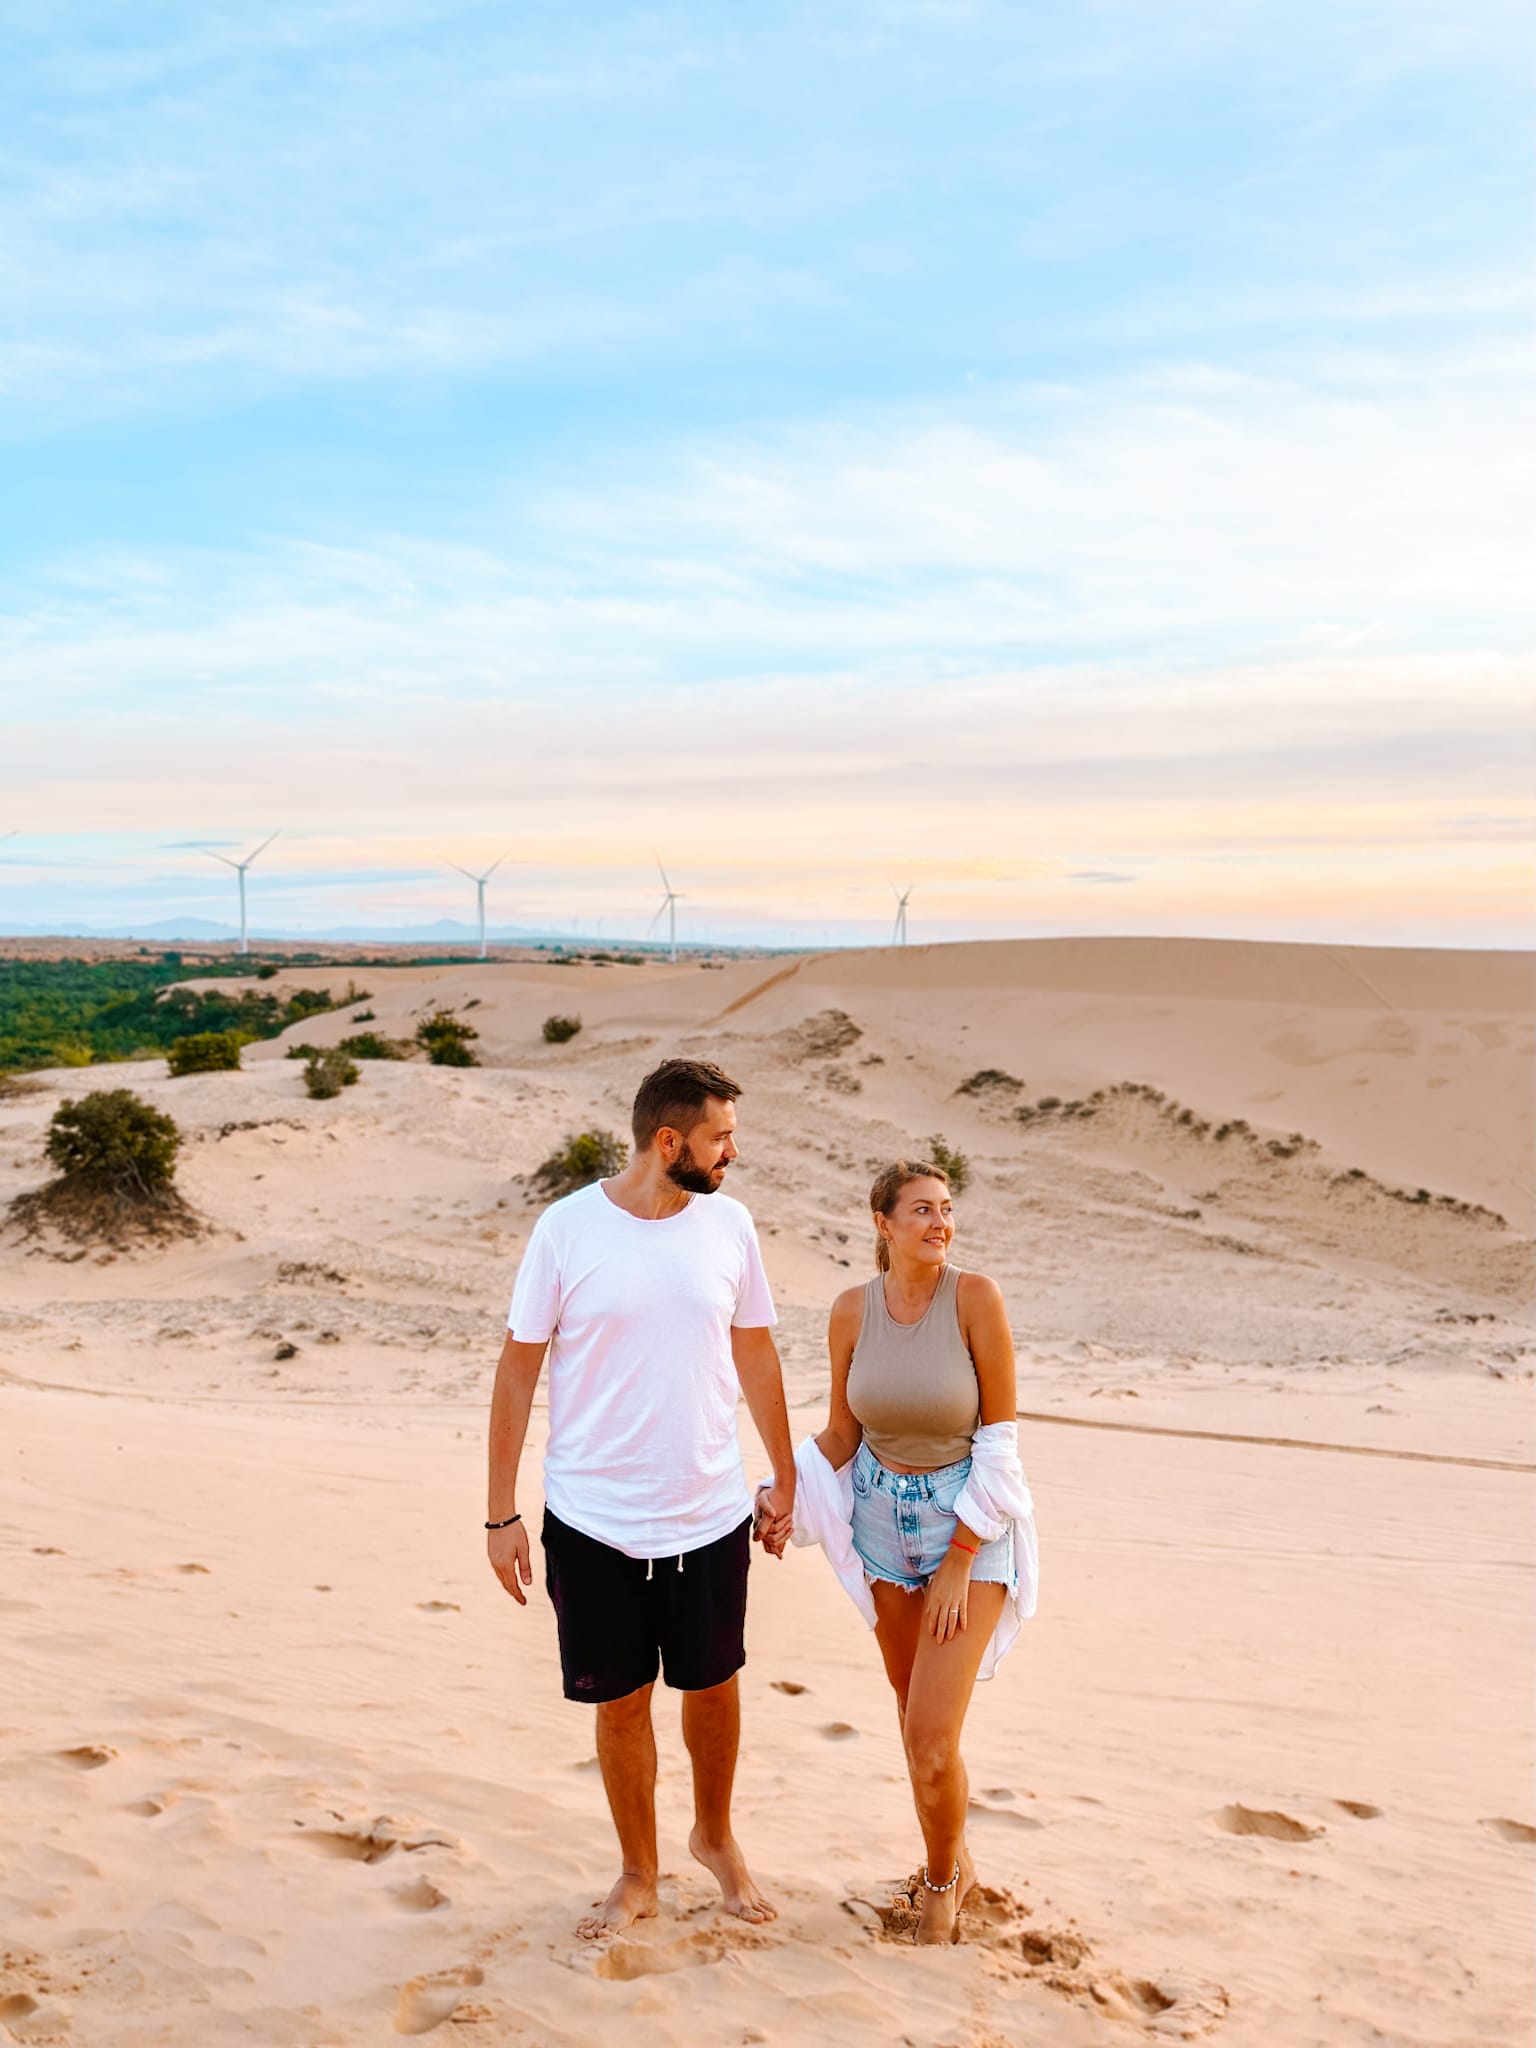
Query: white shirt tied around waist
x=994, y=1499
x=638, y=1313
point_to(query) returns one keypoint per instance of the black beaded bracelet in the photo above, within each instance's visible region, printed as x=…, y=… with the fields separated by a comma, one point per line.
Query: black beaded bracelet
x=506, y=1524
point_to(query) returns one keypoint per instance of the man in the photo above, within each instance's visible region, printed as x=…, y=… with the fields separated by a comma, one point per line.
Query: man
x=651, y=1288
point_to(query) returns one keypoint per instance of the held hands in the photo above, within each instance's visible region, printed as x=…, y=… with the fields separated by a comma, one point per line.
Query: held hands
x=773, y=1517
x=945, y=1602
x=508, y=1551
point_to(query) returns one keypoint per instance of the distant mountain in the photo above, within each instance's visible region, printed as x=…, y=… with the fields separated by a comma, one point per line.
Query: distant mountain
x=443, y=931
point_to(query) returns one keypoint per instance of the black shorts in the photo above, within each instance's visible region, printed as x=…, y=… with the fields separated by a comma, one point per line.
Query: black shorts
x=622, y=1618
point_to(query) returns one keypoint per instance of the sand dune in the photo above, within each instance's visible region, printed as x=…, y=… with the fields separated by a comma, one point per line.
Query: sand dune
x=282, y=1765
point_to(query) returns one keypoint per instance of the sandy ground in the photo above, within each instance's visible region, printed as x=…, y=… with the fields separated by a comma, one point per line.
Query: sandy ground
x=280, y=1763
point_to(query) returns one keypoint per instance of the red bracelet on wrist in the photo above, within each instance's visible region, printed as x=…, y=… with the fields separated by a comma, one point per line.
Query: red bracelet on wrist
x=970, y=1549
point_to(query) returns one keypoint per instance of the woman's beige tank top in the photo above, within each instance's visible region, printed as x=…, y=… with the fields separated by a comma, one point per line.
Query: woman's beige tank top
x=913, y=1385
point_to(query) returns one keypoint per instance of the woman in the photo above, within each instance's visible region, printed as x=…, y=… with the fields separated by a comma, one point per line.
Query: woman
x=914, y=1488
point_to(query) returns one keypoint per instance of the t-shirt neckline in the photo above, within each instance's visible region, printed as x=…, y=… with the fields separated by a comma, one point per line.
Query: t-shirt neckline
x=647, y=1222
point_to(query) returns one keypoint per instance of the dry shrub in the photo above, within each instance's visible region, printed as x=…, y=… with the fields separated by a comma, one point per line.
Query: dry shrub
x=989, y=1081
x=823, y=1036
x=327, y=1073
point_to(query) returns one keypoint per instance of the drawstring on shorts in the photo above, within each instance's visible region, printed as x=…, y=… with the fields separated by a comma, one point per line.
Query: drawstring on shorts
x=652, y=1562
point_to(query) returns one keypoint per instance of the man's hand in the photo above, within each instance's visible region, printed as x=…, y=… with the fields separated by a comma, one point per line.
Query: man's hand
x=508, y=1551
x=773, y=1516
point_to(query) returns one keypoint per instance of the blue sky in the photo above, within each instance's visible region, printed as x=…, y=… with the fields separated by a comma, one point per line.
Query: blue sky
x=1072, y=458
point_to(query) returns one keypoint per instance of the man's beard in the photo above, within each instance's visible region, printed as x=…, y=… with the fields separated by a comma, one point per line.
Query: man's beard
x=686, y=1173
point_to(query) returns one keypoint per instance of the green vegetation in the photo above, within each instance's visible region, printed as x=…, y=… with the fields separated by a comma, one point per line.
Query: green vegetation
x=73, y=1013
x=558, y=1029
x=447, y=1040
x=585, y=1156
x=115, y=1141
x=361, y=1045
x=327, y=1073
x=206, y=1052
x=116, y=1160
x=954, y=1163
x=372, y=1045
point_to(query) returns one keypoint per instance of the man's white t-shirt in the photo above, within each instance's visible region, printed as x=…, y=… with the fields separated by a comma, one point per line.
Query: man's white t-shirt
x=642, y=1451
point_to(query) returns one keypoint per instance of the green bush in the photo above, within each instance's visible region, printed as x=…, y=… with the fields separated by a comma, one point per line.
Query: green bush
x=205, y=1052
x=558, y=1029
x=954, y=1163
x=371, y=1045
x=115, y=1142
x=585, y=1156
x=306, y=1002
x=327, y=1073
x=447, y=1040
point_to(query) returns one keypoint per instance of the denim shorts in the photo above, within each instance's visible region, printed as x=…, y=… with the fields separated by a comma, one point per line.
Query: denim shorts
x=903, y=1522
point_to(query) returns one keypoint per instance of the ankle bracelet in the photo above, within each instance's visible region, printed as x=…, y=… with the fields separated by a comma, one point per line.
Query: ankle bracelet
x=929, y=1885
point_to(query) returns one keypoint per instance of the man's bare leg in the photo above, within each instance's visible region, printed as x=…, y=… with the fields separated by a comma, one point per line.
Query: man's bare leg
x=626, y=1751
x=712, y=1731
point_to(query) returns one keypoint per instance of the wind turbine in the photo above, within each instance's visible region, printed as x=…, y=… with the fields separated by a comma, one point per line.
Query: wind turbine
x=903, y=898
x=240, y=867
x=479, y=882
x=669, y=904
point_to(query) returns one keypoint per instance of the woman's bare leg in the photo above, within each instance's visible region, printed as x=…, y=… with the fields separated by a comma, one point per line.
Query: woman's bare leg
x=898, y=1619
x=943, y=1677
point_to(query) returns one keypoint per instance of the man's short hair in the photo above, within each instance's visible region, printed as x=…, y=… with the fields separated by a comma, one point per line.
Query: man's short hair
x=674, y=1095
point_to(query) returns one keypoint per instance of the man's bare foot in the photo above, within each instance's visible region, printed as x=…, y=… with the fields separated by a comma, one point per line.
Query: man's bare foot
x=632, y=1898
x=726, y=1864
x=939, y=1914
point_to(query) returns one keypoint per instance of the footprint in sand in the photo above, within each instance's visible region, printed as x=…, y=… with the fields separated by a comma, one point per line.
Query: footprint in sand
x=191, y=1568
x=790, y=1685
x=25, y=2018
x=421, y=1895
x=1358, y=1809
x=425, y=2002
x=839, y=1731
x=370, y=1844
x=1510, y=1830
x=1174, y=2007
x=439, y=1606
x=984, y=1807
x=90, y=1756
x=628, y=1956
x=1274, y=1827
